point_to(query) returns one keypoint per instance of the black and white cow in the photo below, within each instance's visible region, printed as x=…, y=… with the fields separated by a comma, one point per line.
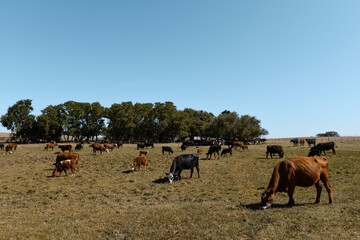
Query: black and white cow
x=212, y=150
x=185, y=161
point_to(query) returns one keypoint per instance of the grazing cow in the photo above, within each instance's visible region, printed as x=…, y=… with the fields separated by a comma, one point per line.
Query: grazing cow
x=183, y=147
x=140, y=146
x=295, y=141
x=78, y=147
x=321, y=147
x=244, y=147
x=65, y=147
x=272, y=149
x=185, y=161
x=110, y=146
x=314, y=152
x=212, y=150
x=11, y=147
x=2, y=147
x=237, y=144
x=65, y=161
x=310, y=141
x=299, y=171
x=143, y=152
x=138, y=161
x=50, y=145
x=167, y=149
x=98, y=147
x=7, y=153
x=199, y=151
x=225, y=151
x=302, y=142
x=149, y=145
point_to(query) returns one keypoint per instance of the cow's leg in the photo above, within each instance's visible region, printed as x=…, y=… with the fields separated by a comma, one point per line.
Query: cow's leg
x=179, y=174
x=198, y=170
x=334, y=151
x=267, y=153
x=325, y=179
x=318, y=190
x=192, y=171
x=291, y=189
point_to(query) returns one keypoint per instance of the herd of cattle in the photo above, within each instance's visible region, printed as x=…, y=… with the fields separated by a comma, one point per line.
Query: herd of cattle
x=299, y=171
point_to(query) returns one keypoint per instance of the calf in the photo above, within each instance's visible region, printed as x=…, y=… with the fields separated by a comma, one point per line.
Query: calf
x=143, y=152
x=212, y=150
x=110, y=146
x=65, y=161
x=244, y=147
x=226, y=151
x=185, y=161
x=78, y=147
x=11, y=147
x=138, y=161
x=50, y=145
x=272, y=149
x=65, y=147
x=199, y=151
x=167, y=149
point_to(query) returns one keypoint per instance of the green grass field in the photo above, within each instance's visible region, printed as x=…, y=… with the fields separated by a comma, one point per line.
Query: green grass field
x=105, y=200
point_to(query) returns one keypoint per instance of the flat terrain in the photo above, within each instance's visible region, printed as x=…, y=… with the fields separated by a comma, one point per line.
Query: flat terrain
x=105, y=200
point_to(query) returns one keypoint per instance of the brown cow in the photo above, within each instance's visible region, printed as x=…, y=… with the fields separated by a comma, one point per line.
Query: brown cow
x=65, y=161
x=138, y=161
x=302, y=141
x=98, y=147
x=237, y=144
x=299, y=171
x=199, y=151
x=50, y=145
x=11, y=147
x=143, y=152
x=110, y=146
x=243, y=147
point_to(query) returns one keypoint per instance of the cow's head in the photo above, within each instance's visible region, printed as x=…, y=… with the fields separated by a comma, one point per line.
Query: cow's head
x=281, y=155
x=170, y=177
x=132, y=167
x=267, y=198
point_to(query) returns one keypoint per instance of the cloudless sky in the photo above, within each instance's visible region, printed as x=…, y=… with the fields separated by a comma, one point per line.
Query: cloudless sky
x=294, y=65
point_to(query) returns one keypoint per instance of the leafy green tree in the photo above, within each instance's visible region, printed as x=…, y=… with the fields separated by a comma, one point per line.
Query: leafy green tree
x=196, y=122
x=19, y=120
x=50, y=123
x=328, y=134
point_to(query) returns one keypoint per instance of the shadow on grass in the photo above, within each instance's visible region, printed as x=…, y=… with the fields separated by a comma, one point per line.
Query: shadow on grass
x=256, y=206
x=162, y=180
x=127, y=171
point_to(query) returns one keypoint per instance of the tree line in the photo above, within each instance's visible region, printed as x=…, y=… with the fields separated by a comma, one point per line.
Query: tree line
x=158, y=122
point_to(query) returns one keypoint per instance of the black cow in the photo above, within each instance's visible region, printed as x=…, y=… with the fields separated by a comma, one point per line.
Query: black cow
x=321, y=147
x=140, y=146
x=79, y=146
x=295, y=141
x=212, y=150
x=167, y=149
x=185, y=161
x=314, y=152
x=272, y=149
x=311, y=141
x=188, y=143
x=183, y=147
x=149, y=145
x=2, y=147
x=65, y=147
x=226, y=151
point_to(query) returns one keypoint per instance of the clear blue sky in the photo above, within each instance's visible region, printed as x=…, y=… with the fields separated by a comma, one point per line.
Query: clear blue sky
x=292, y=64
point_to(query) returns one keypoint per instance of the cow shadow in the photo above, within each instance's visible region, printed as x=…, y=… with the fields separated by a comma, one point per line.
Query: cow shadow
x=127, y=171
x=161, y=180
x=256, y=206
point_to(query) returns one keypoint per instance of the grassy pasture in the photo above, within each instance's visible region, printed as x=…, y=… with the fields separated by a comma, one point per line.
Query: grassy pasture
x=107, y=201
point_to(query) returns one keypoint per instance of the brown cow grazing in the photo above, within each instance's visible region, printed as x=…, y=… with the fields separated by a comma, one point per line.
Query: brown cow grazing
x=110, y=146
x=65, y=161
x=50, y=145
x=143, y=152
x=11, y=147
x=237, y=144
x=243, y=147
x=98, y=147
x=272, y=149
x=138, y=161
x=299, y=171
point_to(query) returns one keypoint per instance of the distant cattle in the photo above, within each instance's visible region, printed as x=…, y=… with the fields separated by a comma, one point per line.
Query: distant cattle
x=185, y=161
x=65, y=147
x=167, y=149
x=149, y=144
x=244, y=147
x=237, y=144
x=214, y=149
x=300, y=171
x=226, y=151
x=322, y=147
x=2, y=147
x=65, y=161
x=98, y=147
x=295, y=141
x=302, y=142
x=143, y=152
x=11, y=147
x=110, y=146
x=140, y=146
x=310, y=141
x=183, y=147
x=273, y=149
x=78, y=147
x=138, y=161
x=50, y=145
x=188, y=143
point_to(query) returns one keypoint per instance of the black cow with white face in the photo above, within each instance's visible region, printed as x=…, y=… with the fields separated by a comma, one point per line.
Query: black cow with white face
x=185, y=161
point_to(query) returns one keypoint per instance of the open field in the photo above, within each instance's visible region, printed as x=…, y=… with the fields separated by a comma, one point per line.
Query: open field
x=107, y=201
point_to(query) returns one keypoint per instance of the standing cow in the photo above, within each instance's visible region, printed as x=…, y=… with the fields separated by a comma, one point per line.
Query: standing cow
x=273, y=149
